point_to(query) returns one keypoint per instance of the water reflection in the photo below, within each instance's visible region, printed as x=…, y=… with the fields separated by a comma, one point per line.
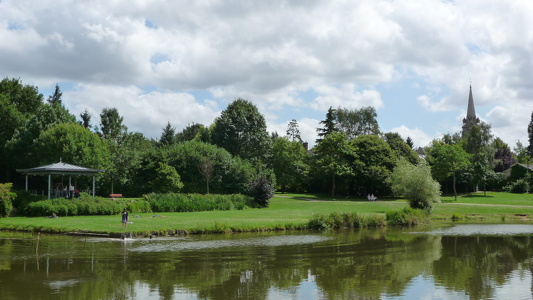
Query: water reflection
x=459, y=262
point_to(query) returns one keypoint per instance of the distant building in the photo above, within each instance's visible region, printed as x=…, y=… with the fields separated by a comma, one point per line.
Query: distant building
x=471, y=118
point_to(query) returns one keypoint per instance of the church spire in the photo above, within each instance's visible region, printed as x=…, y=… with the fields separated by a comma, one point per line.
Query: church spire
x=471, y=118
x=471, y=112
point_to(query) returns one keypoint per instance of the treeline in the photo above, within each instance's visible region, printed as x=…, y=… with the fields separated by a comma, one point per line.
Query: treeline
x=235, y=155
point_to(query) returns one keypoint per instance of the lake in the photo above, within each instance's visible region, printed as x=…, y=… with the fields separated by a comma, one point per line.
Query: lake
x=462, y=261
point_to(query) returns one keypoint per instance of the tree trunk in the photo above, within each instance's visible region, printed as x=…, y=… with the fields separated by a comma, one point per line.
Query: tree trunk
x=454, y=189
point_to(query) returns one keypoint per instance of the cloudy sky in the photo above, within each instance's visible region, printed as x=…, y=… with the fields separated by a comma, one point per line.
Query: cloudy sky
x=183, y=61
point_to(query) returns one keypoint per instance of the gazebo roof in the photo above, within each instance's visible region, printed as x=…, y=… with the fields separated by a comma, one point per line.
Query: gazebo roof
x=60, y=168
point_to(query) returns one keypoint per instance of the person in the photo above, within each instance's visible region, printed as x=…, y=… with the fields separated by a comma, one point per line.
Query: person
x=125, y=218
x=70, y=191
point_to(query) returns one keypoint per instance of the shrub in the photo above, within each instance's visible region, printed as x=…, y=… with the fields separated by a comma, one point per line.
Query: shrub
x=172, y=202
x=407, y=217
x=261, y=191
x=6, y=199
x=338, y=220
x=519, y=186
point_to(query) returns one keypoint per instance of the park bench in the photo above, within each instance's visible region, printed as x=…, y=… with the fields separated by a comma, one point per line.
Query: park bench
x=113, y=196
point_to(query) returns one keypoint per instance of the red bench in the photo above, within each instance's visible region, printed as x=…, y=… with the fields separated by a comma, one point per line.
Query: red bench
x=113, y=196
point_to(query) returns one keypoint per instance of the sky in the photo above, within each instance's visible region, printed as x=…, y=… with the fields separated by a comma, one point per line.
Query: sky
x=182, y=62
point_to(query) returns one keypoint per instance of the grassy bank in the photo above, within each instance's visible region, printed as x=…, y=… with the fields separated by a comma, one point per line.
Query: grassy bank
x=288, y=211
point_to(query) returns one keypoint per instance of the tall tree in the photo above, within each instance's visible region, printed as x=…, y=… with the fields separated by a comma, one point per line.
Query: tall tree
x=242, y=131
x=191, y=132
x=478, y=142
x=290, y=164
x=374, y=162
x=400, y=147
x=332, y=157
x=503, y=157
x=168, y=136
x=293, y=131
x=357, y=122
x=447, y=160
x=56, y=97
x=86, y=119
x=329, y=125
x=111, y=125
x=530, y=136
x=18, y=103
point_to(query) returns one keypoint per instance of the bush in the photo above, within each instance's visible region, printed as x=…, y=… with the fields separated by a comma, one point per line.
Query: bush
x=6, y=199
x=261, y=191
x=407, y=217
x=338, y=220
x=519, y=186
x=172, y=202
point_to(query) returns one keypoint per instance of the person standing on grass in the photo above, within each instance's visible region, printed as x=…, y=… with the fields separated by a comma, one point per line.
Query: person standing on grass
x=125, y=218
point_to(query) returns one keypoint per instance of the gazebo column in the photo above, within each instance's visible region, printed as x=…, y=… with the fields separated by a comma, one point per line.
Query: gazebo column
x=26, y=182
x=94, y=178
x=49, y=185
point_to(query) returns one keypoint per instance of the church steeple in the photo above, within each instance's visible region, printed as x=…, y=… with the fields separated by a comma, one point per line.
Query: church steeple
x=471, y=118
x=471, y=112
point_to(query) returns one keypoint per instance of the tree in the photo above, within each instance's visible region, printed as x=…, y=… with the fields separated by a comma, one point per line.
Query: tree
x=503, y=157
x=168, y=135
x=478, y=142
x=111, y=126
x=447, y=160
x=207, y=169
x=167, y=180
x=357, y=122
x=290, y=164
x=373, y=164
x=414, y=182
x=56, y=97
x=400, y=147
x=530, y=136
x=86, y=119
x=18, y=103
x=242, y=131
x=293, y=132
x=521, y=153
x=409, y=142
x=191, y=132
x=329, y=125
x=261, y=190
x=74, y=144
x=332, y=155
x=21, y=149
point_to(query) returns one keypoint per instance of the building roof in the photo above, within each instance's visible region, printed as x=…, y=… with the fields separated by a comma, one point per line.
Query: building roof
x=60, y=168
x=471, y=111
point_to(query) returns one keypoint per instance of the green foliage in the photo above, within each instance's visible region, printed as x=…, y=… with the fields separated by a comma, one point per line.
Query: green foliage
x=519, y=186
x=22, y=149
x=230, y=175
x=400, y=147
x=167, y=180
x=415, y=183
x=6, y=199
x=242, y=131
x=329, y=126
x=261, y=190
x=290, y=163
x=172, y=202
x=336, y=220
x=85, y=205
x=447, y=160
x=357, y=122
x=74, y=144
x=407, y=217
x=332, y=158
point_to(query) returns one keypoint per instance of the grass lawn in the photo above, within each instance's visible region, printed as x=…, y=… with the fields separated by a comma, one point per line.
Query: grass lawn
x=285, y=211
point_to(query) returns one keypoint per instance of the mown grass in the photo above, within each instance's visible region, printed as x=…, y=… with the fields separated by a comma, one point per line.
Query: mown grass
x=286, y=211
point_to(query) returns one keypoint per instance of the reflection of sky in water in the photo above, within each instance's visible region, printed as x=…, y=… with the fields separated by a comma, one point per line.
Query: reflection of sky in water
x=482, y=229
x=271, y=241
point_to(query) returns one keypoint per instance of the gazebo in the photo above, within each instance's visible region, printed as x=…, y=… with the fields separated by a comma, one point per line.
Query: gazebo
x=60, y=168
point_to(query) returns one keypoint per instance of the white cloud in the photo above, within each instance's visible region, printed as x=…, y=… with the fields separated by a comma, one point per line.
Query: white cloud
x=142, y=112
x=419, y=137
x=287, y=57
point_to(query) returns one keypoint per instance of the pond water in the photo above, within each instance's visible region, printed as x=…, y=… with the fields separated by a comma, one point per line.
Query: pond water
x=455, y=262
